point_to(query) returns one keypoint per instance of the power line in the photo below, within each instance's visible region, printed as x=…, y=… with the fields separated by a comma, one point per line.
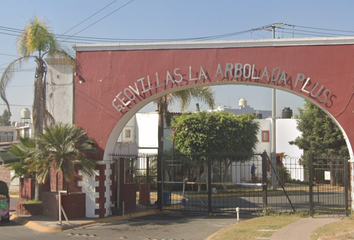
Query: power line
x=16, y=105
x=101, y=18
x=10, y=55
x=29, y=85
x=294, y=30
x=326, y=29
x=89, y=17
x=90, y=39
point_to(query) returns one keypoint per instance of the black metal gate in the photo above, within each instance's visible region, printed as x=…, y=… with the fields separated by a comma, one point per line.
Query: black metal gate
x=214, y=183
x=329, y=190
x=226, y=183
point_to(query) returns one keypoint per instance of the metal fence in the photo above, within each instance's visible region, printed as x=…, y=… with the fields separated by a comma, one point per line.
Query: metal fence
x=329, y=190
x=224, y=183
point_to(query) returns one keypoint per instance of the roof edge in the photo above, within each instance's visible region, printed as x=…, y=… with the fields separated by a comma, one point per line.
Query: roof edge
x=215, y=44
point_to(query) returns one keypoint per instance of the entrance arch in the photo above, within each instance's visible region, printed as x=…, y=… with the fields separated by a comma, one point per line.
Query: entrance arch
x=113, y=81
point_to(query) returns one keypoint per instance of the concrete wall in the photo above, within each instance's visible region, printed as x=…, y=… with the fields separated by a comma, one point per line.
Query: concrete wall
x=147, y=127
x=88, y=186
x=60, y=89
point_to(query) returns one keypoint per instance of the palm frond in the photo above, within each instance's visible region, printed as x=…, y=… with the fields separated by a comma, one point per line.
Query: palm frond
x=6, y=78
x=67, y=146
x=36, y=36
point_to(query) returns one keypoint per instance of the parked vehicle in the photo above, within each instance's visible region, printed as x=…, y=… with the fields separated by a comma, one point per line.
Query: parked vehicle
x=4, y=202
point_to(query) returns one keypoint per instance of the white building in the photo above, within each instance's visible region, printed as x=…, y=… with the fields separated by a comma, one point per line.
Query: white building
x=139, y=137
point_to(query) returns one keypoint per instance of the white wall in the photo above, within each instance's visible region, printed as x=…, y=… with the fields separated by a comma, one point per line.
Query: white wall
x=147, y=128
x=264, y=125
x=286, y=131
x=60, y=97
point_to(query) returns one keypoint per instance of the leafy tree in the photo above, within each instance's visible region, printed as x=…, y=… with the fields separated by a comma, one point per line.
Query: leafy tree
x=204, y=94
x=320, y=135
x=4, y=119
x=64, y=146
x=221, y=133
x=35, y=42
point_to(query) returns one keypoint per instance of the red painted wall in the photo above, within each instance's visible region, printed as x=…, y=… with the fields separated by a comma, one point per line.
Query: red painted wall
x=102, y=75
x=127, y=192
x=74, y=205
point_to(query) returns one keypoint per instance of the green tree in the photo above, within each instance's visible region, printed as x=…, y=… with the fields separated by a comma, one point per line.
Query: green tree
x=64, y=146
x=208, y=133
x=204, y=94
x=5, y=119
x=36, y=42
x=320, y=135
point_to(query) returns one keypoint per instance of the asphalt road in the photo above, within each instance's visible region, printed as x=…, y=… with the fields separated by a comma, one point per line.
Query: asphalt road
x=168, y=225
x=175, y=225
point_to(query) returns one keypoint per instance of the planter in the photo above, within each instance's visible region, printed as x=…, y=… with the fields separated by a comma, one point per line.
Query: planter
x=73, y=204
x=29, y=209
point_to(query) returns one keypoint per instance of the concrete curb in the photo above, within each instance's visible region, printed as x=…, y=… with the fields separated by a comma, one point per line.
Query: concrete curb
x=33, y=225
x=344, y=235
x=56, y=227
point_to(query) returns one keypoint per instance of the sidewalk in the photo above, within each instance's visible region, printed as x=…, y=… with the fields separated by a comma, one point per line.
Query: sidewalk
x=302, y=229
x=46, y=224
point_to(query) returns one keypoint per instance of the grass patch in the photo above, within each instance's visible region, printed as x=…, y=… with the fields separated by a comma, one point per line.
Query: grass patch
x=345, y=225
x=31, y=202
x=260, y=227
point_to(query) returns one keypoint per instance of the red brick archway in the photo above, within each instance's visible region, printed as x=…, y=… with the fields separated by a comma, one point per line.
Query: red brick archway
x=114, y=81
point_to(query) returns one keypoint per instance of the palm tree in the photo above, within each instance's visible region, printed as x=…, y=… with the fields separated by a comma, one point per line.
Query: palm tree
x=35, y=42
x=25, y=150
x=204, y=94
x=64, y=146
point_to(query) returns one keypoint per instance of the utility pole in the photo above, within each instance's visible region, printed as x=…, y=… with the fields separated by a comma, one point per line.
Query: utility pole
x=274, y=132
x=272, y=28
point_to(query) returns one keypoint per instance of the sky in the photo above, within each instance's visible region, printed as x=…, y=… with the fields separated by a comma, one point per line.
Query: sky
x=92, y=21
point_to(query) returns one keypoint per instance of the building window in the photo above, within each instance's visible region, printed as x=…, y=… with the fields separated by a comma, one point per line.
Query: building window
x=128, y=133
x=265, y=136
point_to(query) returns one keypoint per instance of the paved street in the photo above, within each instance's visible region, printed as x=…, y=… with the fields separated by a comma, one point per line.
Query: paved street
x=161, y=226
x=171, y=225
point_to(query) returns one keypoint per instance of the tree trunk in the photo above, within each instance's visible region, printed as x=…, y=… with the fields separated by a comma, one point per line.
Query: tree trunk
x=227, y=164
x=38, y=108
x=160, y=152
x=160, y=131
